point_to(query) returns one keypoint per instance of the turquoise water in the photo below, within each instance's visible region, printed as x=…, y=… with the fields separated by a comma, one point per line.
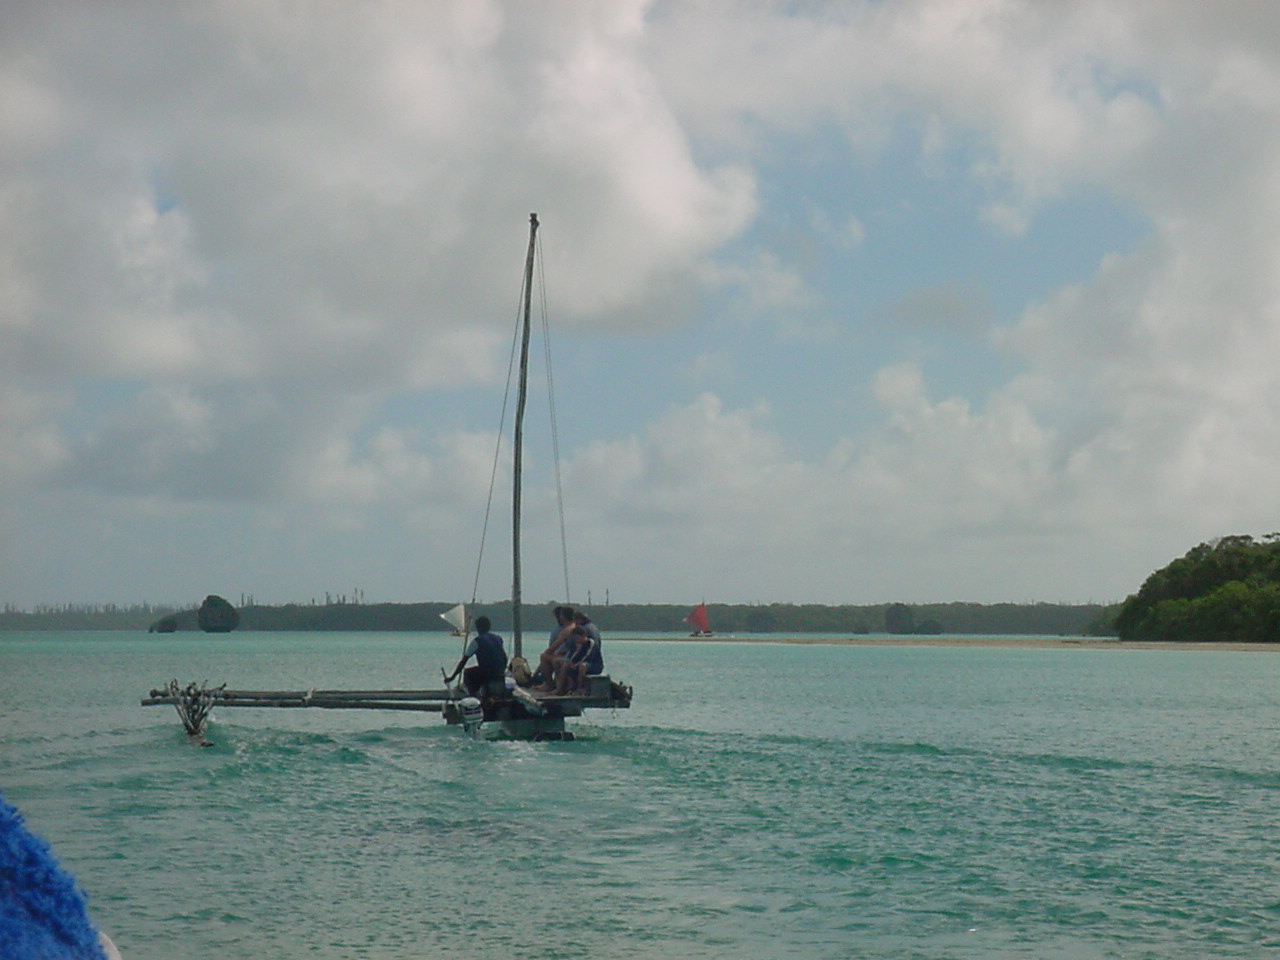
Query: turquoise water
x=758, y=801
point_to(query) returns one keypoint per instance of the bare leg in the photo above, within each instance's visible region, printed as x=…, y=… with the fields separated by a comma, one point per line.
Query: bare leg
x=567, y=670
x=547, y=667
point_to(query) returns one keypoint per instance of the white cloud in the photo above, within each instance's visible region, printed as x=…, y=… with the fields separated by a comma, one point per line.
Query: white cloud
x=323, y=200
x=1147, y=398
x=721, y=483
x=252, y=226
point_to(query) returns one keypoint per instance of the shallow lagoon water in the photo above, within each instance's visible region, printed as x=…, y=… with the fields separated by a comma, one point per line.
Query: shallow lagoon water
x=760, y=800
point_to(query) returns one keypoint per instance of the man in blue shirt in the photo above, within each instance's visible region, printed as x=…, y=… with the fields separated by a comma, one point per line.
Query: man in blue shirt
x=491, y=659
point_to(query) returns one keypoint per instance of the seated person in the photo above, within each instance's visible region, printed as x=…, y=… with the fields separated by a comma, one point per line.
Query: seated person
x=558, y=648
x=586, y=623
x=491, y=659
x=585, y=660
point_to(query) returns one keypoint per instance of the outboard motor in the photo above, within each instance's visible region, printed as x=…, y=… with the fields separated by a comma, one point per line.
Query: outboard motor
x=472, y=714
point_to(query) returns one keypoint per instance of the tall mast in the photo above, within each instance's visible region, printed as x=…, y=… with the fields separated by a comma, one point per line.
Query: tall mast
x=518, y=447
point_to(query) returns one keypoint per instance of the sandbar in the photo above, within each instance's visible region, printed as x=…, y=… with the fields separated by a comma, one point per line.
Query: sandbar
x=975, y=640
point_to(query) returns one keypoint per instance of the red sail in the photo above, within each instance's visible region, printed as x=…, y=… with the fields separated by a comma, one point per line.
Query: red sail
x=698, y=619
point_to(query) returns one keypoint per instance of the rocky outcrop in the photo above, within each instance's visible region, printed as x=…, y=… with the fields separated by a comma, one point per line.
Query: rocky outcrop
x=216, y=615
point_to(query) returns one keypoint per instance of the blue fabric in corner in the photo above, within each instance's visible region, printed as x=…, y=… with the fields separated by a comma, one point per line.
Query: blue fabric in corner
x=42, y=911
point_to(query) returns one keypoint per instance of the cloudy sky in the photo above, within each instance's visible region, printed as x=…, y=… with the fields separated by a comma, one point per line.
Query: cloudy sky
x=849, y=302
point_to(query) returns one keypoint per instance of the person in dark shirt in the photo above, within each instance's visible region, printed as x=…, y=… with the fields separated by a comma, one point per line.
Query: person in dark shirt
x=491, y=659
x=586, y=658
x=586, y=623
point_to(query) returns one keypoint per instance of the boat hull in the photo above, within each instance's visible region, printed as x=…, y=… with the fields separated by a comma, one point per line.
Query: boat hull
x=519, y=714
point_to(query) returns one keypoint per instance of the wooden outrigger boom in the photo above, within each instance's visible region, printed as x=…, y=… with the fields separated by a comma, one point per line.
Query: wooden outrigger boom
x=429, y=701
x=513, y=710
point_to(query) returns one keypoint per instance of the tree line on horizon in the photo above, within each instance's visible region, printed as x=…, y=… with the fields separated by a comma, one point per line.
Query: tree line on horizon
x=1041, y=619
x=1226, y=589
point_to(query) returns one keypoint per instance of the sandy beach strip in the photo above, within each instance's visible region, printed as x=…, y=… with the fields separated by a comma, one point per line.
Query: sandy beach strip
x=973, y=640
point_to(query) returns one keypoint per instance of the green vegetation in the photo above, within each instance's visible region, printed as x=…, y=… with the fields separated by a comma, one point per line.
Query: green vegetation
x=1045, y=619
x=1225, y=590
x=87, y=616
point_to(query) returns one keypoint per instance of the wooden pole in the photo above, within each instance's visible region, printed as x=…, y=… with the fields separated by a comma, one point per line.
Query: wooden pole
x=422, y=706
x=518, y=447
x=223, y=695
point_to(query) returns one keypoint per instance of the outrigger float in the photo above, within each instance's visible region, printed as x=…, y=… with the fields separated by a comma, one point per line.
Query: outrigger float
x=505, y=707
x=501, y=711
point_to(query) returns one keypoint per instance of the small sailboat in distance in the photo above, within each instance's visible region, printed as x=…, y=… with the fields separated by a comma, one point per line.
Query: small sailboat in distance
x=456, y=617
x=698, y=620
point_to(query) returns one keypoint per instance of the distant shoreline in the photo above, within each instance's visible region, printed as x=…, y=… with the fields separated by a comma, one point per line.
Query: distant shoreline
x=994, y=641
x=637, y=619
x=1046, y=643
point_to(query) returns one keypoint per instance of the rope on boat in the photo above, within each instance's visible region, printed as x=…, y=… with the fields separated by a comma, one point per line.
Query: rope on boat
x=555, y=429
x=493, y=472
